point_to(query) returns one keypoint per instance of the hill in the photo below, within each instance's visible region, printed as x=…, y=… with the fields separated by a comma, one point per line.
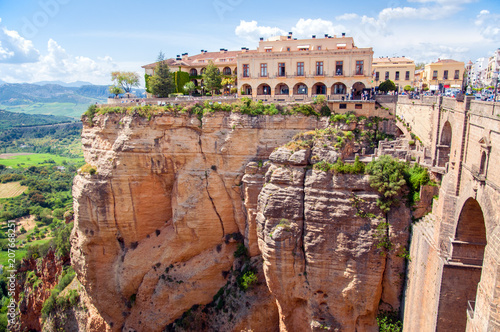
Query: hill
x=54, y=99
x=10, y=120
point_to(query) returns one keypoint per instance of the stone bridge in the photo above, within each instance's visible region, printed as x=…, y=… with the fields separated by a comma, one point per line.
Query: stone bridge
x=454, y=272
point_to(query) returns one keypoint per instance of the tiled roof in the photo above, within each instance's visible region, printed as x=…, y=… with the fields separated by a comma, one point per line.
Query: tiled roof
x=202, y=59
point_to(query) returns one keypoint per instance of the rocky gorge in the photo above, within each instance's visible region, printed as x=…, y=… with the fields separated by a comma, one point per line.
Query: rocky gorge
x=166, y=203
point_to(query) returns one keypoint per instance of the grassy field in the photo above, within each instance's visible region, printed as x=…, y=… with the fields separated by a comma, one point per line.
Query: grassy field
x=64, y=109
x=11, y=189
x=4, y=256
x=37, y=159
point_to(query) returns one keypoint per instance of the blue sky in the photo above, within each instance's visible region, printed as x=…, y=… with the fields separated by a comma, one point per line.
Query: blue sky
x=73, y=40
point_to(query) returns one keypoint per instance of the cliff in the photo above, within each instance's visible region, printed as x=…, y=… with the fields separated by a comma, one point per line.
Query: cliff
x=166, y=201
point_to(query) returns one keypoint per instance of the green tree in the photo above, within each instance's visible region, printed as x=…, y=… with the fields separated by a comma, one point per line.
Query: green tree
x=116, y=90
x=408, y=88
x=387, y=86
x=161, y=83
x=387, y=176
x=126, y=79
x=189, y=87
x=419, y=65
x=212, y=78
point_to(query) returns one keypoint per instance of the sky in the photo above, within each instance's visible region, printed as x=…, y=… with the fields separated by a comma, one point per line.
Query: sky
x=70, y=40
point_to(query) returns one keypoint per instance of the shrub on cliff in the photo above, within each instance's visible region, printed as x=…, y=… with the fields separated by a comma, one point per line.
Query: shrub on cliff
x=387, y=176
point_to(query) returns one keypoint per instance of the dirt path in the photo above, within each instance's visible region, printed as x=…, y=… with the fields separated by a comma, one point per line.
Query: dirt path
x=11, y=155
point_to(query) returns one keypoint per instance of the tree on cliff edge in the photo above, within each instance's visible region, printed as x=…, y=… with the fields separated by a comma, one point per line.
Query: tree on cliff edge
x=161, y=83
x=126, y=79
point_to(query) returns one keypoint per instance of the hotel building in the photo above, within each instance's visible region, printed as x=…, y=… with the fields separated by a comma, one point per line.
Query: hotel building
x=283, y=67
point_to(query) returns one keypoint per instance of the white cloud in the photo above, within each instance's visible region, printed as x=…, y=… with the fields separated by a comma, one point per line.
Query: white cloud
x=16, y=49
x=489, y=25
x=251, y=31
x=347, y=17
x=306, y=28
x=57, y=64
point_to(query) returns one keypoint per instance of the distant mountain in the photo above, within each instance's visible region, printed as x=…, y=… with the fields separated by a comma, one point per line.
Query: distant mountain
x=2, y=82
x=76, y=84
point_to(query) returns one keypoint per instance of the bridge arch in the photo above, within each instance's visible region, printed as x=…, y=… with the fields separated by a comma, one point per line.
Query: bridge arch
x=462, y=272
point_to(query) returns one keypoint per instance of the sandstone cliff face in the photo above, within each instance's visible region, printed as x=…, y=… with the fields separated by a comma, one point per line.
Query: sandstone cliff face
x=35, y=290
x=155, y=228
x=319, y=234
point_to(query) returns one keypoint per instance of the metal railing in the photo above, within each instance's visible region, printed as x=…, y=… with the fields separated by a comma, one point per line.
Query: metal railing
x=471, y=306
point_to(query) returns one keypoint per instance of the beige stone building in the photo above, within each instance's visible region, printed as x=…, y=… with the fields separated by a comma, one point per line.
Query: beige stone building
x=399, y=70
x=444, y=73
x=283, y=66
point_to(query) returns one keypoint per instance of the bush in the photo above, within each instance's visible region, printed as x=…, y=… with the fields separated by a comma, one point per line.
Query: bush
x=241, y=250
x=247, y=280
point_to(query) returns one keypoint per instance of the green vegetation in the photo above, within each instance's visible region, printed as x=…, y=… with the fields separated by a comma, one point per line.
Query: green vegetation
x=247, y=280
x=189, y=88
x=125, y=79
x=387, y=176
x=181, y=78
x=388, y=321
x=10, y=120
x=161, y=84
x=19, y=161
x=212, y=78
x=387, y=86
x=340, y=167
x=55, y=301
x=116, y=90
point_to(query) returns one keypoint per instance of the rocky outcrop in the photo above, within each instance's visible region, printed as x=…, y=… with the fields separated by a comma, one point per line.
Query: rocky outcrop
x=327, y=259
x=157, y=224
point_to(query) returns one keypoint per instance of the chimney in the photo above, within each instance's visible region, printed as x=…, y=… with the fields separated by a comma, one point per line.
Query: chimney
x=243, y=49
x=290, y=33
x=343, y=34
x=314, y=36
x=185, y=56
x=289, y=37
x=326, y=35
x=261, y=38
x=178, y=57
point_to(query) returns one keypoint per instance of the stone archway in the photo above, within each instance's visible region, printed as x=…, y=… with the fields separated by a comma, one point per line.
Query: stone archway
x=357, y=90
x=462, y=272
x=300, y=89
x=444, y=146
x=264, y=89
x=246, y=90
x=319, y=89
x=282, y=89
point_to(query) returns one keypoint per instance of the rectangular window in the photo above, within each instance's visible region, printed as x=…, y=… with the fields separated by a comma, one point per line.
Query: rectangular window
x=343, y=106
x=263, y=70
x=339, y=68
x=288, y=49
x=407, y=76
x=358, y=106
x=246, y=71
x=319, y=48
x=359, y=67
x=377, y=76
x=319, y=68
x=269, y=50
x=445, y=75
x=435, y=75
x=386, y=75
x=300, y=69
x=457, y=74
x=281, y=69
x=397, y=76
